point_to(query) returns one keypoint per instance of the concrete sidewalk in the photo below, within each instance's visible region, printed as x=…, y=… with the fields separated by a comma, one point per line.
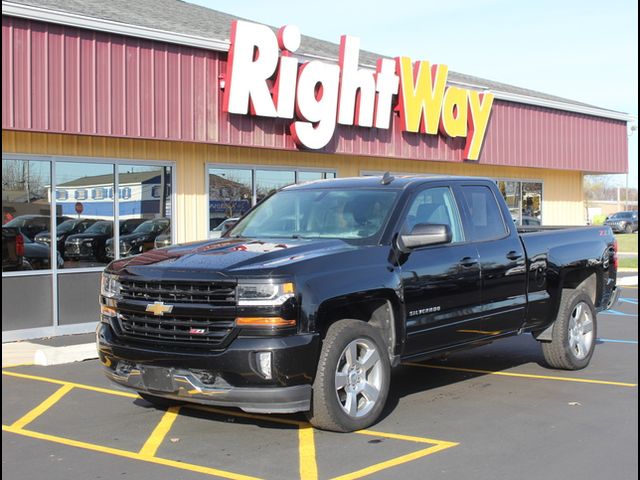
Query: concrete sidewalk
x=31, y=353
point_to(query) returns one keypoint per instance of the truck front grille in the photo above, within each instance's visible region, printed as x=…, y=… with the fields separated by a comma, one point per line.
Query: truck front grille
x=208, y=293
x=176, y=330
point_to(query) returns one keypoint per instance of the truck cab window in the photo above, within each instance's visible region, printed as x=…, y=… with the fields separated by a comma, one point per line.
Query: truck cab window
x=486, y=220
x=435, y=206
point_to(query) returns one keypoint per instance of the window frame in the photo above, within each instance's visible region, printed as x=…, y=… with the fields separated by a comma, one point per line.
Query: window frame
x=252, y=167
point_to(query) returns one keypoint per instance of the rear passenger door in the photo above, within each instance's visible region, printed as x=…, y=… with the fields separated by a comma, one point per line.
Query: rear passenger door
x=502, y=260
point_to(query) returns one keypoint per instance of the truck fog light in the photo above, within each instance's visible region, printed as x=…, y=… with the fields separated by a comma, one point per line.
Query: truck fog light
x=264, y=364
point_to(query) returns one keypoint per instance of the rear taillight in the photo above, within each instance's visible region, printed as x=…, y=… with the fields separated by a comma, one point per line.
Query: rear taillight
x=615, y=253
x=19, y=245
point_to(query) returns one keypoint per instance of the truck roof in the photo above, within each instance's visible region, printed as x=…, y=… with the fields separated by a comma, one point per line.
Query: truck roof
x=399, y=182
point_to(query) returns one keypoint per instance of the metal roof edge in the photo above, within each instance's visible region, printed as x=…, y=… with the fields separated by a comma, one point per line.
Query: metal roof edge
x=91, y=23
x=569, y=107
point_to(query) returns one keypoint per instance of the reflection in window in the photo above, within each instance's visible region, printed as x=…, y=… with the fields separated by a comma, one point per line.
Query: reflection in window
x=230, y=194
x=26, y=212
x=524, y=200
x=532, y=203
x=144, y=208
x=268, y=181
x=233, y=191
x=82, y=244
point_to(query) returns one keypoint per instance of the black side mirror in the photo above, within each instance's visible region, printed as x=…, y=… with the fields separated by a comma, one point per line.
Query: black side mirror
x=424, y=234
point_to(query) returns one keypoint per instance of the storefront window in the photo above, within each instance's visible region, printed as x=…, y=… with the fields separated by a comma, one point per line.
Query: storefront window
x=511, y=192
x=26, y=214
x=230, y=194
x=82, y=239
x=524, y=200
x=144, y=209
x=268, y=181
x=531, y=203
x=233, y=191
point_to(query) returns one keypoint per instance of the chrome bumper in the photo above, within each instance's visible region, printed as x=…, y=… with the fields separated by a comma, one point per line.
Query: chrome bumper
x=184, y=385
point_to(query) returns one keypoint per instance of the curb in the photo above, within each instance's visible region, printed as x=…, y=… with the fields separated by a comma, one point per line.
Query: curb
x=628, y=281
x=26, y=353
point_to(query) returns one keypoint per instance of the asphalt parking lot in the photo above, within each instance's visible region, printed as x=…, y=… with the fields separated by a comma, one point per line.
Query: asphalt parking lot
x=492, y=412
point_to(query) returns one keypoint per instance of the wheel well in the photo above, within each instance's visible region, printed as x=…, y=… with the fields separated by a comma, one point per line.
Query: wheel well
x=586, y=281
x=377, y=312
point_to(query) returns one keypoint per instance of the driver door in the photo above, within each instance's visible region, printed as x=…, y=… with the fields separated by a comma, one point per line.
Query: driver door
x=441, y=283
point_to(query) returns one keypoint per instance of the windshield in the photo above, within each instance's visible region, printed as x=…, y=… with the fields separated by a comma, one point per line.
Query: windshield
x=149, y=227
x=66, y=226
x=17, y=222
x=99, y=228
x=345, y=214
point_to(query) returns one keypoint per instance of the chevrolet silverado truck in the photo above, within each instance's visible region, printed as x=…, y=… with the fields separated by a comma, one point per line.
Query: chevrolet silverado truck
x=307, y=303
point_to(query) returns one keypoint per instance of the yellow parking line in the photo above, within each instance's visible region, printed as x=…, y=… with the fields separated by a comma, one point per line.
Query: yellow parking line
x=396, y=461
x=75, y=385
x=14, y=365
x=127, y=454
x=307, y=454
x=407, y=438
x=42, y=407
x=522, y=375
x=154, y=441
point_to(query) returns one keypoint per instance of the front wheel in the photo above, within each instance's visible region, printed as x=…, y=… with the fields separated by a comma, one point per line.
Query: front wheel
x=628, y=228
x=352, y=381
x=574, y=333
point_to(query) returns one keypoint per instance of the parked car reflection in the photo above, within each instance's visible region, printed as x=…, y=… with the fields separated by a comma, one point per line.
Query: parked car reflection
x=64, y=230
x=31, y=225
x=140, y=240
x=91, y=245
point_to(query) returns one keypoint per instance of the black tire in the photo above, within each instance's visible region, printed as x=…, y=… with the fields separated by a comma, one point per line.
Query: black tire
x=628, y=228
x=159, y=402
x=564, y=352
x=327, y=411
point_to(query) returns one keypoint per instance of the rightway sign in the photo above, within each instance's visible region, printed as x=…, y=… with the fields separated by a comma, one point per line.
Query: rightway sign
x=264, y=79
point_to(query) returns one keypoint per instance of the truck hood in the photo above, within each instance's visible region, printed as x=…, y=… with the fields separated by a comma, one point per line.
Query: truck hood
x=228, y=257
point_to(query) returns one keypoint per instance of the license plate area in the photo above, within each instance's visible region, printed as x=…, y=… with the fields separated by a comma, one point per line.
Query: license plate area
x=157, y=378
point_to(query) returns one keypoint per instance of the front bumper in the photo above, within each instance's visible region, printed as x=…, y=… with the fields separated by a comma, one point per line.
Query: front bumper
x=227, y=378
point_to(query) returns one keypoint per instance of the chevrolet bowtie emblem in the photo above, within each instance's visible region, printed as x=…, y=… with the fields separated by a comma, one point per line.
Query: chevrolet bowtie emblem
x=159, y=308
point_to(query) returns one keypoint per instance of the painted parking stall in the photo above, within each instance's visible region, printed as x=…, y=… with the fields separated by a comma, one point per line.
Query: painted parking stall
x=486, y=403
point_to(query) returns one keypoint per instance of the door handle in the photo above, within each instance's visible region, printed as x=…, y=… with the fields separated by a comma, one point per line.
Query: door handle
x=513, y=255
x=468, y=262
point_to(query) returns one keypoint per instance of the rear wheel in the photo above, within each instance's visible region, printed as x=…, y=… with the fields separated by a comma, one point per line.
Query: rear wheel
x=352, y=381
x=574, y=333
x=628, y=228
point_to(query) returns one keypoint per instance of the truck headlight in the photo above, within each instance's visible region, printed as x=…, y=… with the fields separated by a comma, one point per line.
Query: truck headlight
x=264, y=294
x=109, y=286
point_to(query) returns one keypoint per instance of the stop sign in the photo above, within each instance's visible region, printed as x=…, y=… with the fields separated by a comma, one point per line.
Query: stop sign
x=79, y=207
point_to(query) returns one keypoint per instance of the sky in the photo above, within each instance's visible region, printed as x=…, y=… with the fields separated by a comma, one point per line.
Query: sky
x=584, y=50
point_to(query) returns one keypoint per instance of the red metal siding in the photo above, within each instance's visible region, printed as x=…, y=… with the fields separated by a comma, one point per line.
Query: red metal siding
x=68, y=80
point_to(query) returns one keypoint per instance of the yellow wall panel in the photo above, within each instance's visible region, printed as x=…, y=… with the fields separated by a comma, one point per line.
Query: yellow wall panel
x=562, y=195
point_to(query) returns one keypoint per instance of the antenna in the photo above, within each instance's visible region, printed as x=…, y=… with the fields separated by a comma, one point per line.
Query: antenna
x=387, y=178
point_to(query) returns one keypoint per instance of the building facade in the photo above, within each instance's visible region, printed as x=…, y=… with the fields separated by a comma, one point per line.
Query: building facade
x=110, y=119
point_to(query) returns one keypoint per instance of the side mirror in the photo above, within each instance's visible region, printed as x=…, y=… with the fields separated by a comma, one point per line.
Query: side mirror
x=424, y=234
x=229, y=226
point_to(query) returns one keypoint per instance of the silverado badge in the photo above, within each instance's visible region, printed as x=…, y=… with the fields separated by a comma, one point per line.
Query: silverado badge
x=159, y=308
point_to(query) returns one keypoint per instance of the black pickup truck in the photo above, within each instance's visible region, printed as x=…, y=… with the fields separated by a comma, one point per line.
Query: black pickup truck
x=311, y=298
